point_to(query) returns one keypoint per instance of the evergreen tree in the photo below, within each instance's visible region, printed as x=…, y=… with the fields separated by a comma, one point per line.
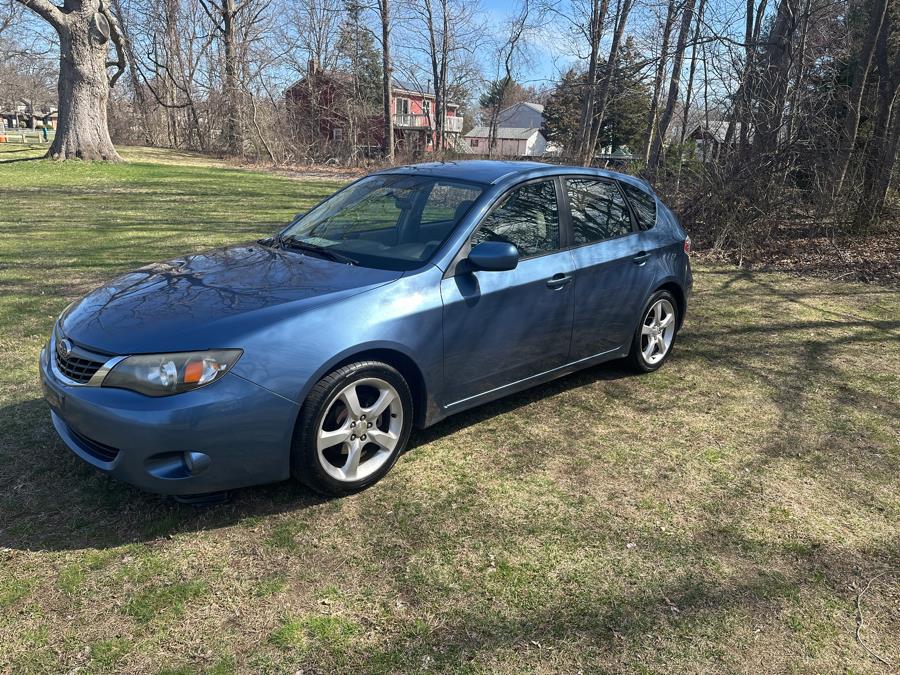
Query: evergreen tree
x=624, y=121
x=360, y=56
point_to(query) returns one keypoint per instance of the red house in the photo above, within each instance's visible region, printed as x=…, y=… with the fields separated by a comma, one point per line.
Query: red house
x=320, y=102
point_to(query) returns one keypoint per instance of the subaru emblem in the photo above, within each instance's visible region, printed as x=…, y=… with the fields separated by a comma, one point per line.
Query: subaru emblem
x=64, y=348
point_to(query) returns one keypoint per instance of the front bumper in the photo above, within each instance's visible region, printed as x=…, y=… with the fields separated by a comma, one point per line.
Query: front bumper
x=230, y=434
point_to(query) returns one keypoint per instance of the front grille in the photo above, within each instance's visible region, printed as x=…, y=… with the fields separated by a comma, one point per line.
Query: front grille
x=104, y=453
x=79, y=369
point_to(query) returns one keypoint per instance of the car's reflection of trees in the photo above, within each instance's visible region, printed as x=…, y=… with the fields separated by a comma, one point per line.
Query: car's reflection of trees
x=528, y=218
x=188, y=286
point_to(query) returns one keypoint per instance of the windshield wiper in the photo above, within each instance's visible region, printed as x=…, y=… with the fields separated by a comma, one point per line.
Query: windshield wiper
x=291, y=241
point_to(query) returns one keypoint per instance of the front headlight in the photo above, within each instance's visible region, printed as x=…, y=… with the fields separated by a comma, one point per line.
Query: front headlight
x=167, y=374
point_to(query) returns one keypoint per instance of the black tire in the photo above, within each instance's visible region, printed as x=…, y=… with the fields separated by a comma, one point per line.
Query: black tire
x=635, y=359
x=305, y=462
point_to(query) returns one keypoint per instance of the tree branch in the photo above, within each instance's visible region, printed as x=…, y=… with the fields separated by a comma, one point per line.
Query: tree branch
x=115, y=33
x=46, y=10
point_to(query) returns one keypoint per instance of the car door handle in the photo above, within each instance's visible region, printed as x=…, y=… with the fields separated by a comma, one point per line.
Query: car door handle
x=641, y=258
x=559, y=280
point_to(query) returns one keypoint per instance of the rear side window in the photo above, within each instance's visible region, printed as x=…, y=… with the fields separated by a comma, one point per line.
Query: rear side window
x=527, y=217
x=598, y=210
x=644, y=206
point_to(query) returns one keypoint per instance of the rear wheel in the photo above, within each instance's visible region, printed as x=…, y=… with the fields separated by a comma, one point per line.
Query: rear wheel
x=655, y=335
x=353, y=426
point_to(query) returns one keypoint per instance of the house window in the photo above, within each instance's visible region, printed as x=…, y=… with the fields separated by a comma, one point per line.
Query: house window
x=426, y=108
x=474, y=142
x=402, y=106
x=337, y=134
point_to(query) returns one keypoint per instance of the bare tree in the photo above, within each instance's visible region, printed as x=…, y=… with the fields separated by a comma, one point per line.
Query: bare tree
x=653, y=116
x=85, y=29
x=674, y=83
x=384, y=13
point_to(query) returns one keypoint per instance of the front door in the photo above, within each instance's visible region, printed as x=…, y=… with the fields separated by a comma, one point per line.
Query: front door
x=503, y=327
x=615, y=267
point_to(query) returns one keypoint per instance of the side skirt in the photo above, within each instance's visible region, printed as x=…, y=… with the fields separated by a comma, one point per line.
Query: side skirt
x=526, y=383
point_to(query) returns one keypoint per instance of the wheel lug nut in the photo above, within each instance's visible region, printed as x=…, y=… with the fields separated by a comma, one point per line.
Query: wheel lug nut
x=352, y=437
x=362, y=417
x=363, y=437
x=368, y=425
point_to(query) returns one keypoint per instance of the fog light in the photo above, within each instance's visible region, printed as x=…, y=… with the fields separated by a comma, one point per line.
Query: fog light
x=196, y=462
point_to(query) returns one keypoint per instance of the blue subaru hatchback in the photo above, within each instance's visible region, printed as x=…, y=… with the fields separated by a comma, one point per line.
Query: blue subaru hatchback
x=409, y=295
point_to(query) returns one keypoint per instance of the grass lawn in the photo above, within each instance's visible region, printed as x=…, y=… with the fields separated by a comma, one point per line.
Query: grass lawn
x=722, y=514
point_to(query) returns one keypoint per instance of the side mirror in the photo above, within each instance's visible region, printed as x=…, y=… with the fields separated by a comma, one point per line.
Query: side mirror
x=493, y=256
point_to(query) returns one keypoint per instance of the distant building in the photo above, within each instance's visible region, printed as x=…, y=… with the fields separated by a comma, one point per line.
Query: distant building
x=517, y=134
x=321, y=94
x=710, y=138
x=522, y=116
x=508, y=142
x=23, y=114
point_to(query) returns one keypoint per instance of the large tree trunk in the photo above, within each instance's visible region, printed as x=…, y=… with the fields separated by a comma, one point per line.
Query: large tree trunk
x=84, y=30
x=234, y=141
x=771, y=90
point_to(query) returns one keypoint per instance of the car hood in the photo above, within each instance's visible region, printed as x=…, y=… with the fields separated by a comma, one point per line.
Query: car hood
x=209, y=300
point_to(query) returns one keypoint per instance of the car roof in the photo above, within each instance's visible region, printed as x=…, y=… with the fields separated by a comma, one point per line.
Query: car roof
x=491, y=172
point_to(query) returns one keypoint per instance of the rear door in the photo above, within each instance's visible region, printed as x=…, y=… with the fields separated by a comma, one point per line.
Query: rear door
x=502, y=327
x=615, y=265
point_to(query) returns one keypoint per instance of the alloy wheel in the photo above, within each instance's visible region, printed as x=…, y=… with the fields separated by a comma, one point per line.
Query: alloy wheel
x=657, y=331
x=360, y=429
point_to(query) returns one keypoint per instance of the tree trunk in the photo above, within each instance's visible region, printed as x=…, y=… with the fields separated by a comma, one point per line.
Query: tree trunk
x=885, y=143
x=234, y=142
x=84, y=31
x=674, y=82
x=771, y=92
x=603, y=93
x=658, y=79
x=598, y=14
x=386, y=70
x=860, y=73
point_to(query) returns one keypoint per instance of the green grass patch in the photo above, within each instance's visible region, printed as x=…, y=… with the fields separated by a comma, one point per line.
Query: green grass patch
x=167, y=599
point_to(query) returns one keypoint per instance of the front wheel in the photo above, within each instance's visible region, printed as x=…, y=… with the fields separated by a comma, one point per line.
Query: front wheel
x=655, y=335
x=353, y=426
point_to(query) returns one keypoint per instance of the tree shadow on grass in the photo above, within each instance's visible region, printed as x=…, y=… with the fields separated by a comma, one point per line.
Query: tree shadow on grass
x=51, y=500
x=16, y=160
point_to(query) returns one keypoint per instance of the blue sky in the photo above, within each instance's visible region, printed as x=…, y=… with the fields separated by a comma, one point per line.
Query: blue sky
x=547, y=55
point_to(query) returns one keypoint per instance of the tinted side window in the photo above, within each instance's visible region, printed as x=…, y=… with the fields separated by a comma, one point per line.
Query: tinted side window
x=527, y=217
x=644, y=206
x=598, y=210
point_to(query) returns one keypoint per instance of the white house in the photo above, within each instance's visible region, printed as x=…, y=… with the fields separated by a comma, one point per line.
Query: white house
x=518, y=133
x=509, y=141
x=522, y=115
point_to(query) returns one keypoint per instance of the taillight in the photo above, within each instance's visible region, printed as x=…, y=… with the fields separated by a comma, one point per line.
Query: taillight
x=687, y=244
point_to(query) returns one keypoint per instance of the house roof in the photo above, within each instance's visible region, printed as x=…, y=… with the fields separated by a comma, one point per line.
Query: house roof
x=537, y=107
x=717, y=129
x=504, y=133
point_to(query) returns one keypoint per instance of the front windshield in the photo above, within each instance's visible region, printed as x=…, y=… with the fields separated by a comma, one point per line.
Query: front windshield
x=389, y=221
